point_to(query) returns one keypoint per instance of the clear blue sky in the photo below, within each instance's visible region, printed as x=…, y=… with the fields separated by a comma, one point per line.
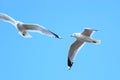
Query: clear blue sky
x=45, y=58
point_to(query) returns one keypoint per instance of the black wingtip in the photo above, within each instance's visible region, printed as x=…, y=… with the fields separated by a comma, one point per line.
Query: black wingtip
x=56, y=36
x=69, y=64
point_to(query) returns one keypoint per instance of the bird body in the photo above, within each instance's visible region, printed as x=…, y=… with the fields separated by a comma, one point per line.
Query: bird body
x=23, y=28
x=82, y=38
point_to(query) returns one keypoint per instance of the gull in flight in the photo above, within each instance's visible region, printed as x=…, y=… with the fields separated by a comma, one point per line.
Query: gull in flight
x=82, y=38
x=23, y=28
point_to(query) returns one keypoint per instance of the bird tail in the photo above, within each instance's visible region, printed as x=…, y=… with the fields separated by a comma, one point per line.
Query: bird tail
x=96, y=41
x=25, y=34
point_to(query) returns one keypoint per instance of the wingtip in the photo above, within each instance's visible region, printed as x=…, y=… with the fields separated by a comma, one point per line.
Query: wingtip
x=69, y=64
x=95, y=30
x=91, y=29
x=56, y=36
x=69, y=67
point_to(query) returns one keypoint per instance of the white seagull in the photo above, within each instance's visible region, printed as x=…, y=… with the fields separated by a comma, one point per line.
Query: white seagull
x=82, y=38
x=23, y=28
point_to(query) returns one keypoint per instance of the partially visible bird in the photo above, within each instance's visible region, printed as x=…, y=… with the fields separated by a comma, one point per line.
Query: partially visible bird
x=82, y=38
x=23, y=28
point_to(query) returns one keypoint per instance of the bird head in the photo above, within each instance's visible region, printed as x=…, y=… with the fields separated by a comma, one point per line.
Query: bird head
x=75, y=35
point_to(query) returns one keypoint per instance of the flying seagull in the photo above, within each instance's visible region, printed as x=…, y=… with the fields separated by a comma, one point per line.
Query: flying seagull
x=23, y=28
x=82, y=38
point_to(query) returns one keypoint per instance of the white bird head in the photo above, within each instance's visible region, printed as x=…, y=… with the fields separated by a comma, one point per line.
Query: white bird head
x=18, y=22
x=75, y=35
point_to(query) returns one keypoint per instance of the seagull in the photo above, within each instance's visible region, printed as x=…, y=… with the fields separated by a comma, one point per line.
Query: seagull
x=82, y=38
x=23, y=28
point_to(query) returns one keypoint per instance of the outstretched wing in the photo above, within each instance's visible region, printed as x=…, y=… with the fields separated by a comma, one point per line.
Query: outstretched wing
x=7, y=18
x=74, y=48
x=39, y=28
x=88, y=32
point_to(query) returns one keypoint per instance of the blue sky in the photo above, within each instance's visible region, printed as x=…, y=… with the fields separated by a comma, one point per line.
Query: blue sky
x=45, y=58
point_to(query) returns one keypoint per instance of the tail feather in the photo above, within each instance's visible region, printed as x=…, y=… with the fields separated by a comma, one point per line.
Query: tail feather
x=25, y=34
x=96, y=41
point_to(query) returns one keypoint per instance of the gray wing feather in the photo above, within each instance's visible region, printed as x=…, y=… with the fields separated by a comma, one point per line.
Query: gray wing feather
x=87, y=32
x=74, y=48
x=7, y=18
x=39, y=28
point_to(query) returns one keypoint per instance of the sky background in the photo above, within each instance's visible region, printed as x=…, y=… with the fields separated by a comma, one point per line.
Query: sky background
x=45, y=58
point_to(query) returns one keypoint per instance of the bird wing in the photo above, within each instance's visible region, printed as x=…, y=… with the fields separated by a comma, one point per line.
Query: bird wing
x=74, y=48
x=87, y=32
x=7, y=18
x=40, y=29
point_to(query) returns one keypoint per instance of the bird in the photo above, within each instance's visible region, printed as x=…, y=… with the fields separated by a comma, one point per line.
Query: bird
x=81, y=39
x=23, y=28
